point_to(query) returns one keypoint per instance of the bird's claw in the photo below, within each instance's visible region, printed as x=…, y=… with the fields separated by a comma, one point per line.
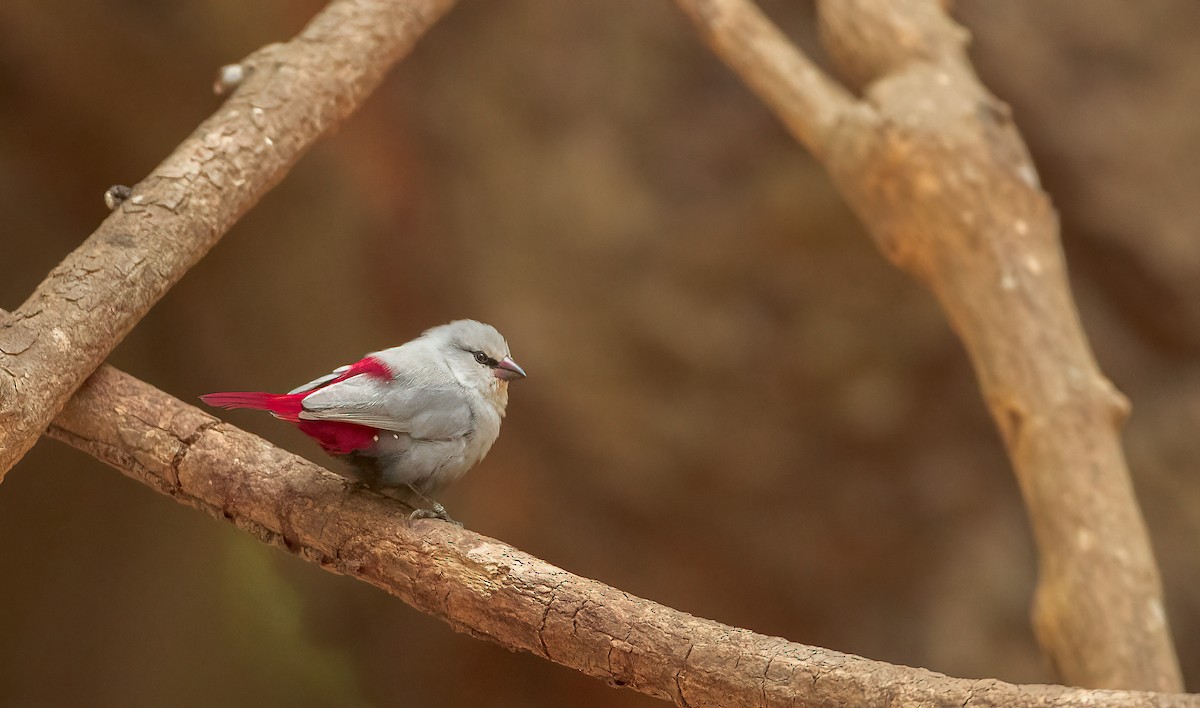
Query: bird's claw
x=437, y=512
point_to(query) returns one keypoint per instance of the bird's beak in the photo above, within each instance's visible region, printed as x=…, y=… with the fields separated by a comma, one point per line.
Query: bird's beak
x=508, y=369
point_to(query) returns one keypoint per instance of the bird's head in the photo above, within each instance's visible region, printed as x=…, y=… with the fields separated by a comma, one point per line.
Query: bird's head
x=478, y=356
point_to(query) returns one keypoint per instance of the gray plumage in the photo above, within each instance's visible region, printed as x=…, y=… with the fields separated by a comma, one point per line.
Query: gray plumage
x=437, y=416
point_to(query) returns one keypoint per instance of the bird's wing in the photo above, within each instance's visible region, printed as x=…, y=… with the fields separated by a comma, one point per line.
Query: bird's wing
x=402, y=404
x=320, y=380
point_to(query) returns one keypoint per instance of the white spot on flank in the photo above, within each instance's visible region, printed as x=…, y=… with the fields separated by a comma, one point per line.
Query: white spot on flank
x=138, y=199
x=1033, y=264
x=375, y=438
x=1084, y=539
x=257, y=112
x=943, y=78
x=1021, y=226
x=268, y=140
x=395, y=436
x=1008, y=282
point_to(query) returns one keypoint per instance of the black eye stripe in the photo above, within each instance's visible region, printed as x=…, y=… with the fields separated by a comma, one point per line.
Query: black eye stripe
x=485, y=359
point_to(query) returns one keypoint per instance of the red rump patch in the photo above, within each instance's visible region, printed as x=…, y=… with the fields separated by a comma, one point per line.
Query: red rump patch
x=338, y=438
x=369, y=366
x=334, y=437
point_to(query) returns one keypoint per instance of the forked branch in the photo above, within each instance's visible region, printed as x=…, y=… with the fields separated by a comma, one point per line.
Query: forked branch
x=935, y=168
x=929, y=160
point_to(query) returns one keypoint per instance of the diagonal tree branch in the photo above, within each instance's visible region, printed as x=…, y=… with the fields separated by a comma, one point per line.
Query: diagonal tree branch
x=488, y=589
x=291, y=95
x=808, y=101
x=935, y=168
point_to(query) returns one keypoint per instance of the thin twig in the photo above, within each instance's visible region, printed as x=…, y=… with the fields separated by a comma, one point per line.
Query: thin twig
x=291, y=95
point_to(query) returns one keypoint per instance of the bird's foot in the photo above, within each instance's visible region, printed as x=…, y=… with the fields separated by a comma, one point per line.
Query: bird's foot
x=437, y=512
x=357, y=485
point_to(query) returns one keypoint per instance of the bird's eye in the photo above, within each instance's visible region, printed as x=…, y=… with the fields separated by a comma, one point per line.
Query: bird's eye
x=481, y=357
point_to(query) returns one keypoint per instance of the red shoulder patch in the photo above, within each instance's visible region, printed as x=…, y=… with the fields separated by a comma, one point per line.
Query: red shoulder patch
x=369, y=366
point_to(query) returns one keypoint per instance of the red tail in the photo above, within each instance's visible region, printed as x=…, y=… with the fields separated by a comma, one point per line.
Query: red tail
x=286, y=406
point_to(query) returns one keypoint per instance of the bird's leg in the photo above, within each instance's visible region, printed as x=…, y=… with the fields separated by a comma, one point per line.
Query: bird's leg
x=436, y=510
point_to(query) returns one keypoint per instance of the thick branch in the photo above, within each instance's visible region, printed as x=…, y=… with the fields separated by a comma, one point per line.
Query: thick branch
x=292, y=94
x=933, y=165
x=492, y=591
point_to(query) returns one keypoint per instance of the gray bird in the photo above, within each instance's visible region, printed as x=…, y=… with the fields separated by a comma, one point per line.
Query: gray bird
x=414, y=417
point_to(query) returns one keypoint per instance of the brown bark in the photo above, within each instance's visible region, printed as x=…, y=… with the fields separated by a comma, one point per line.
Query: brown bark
x=292, y=94
x=488, y=589
x=935, y=168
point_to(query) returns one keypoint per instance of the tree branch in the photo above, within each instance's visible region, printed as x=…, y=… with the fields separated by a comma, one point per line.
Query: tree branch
x=291, y=94
x=935, y=168
x=490, y=590
x=808, y=102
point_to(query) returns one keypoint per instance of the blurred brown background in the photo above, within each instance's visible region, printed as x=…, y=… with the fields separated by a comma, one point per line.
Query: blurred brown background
x=735, y=406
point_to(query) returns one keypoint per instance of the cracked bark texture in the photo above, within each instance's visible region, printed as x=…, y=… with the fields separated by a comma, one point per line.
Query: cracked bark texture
x=934, y=166
x=293, y=94
x=490, y=590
